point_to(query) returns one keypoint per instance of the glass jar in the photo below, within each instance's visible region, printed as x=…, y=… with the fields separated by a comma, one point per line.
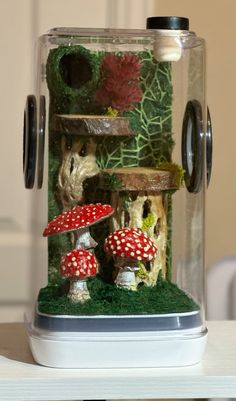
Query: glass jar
x=115, y=142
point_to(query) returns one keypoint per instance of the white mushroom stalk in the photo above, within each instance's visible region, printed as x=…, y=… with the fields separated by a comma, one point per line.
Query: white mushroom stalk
x=78, y=291
x=126, y=275
x=84, y=240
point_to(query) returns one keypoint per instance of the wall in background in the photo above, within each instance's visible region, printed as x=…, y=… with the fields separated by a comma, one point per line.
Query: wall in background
x=16, y=46
x=15, y=82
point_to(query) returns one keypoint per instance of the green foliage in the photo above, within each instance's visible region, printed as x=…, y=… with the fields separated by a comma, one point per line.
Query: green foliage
x=112, y=182
x=107, y=299
x=53, y=168
x=126, y=200
x=169, y=238
x=176, y=169
x=151, y=121
x=112, y=112
x=148, y=222
x=70, y=97
x=65, y=98
x=142, y=272
x=57, y=244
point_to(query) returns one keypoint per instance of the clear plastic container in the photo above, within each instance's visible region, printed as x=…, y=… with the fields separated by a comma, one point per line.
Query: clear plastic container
x=119, y=125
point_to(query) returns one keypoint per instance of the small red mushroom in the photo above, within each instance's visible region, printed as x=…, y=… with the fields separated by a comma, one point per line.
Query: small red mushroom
x=78, y=265
x=79, y=219
x=128, y=246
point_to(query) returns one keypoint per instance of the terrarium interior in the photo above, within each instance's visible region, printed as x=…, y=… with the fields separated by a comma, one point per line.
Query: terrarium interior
x=124, y=233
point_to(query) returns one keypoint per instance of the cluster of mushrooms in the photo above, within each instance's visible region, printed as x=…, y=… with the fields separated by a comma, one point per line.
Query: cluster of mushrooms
x=128, y=246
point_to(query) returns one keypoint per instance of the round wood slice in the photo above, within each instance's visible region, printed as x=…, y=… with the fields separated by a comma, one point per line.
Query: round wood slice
x=137, y=179
x=93, y=125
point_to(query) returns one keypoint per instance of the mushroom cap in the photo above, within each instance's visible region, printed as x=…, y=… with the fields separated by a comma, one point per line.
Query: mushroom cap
x=130, y=243
x=78, y=264
x=78, y=217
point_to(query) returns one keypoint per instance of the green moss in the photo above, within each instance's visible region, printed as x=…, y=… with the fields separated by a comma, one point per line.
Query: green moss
x=107, y=299
x=176, y=169
x=148, y=222
x=151, y=120
x=112, y=182
x=142, y=272
x=57, y=244
x=71, y=90
x=66, y=96
x=53, y=168
x=112, y=112
x=169, y=237
x=126, y=200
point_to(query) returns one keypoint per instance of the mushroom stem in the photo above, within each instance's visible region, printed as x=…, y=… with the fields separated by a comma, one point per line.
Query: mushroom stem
x=83, y=239
x=78, y=291
x=126, y=277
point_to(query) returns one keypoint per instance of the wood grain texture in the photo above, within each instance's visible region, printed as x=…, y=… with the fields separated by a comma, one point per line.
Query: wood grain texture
x=91, y=125
x=139, y=179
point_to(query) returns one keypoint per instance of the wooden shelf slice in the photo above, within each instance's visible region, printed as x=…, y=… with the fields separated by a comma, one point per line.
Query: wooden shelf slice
x=137, y=179
x=93, y=125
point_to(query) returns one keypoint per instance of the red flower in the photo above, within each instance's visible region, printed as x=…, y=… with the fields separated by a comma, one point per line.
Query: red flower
x=119, y=88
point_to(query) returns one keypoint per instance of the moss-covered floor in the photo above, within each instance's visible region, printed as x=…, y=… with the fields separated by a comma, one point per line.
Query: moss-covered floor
x=106, y=299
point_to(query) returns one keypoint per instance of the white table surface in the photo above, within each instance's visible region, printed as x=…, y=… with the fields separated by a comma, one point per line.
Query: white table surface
x=22, y=380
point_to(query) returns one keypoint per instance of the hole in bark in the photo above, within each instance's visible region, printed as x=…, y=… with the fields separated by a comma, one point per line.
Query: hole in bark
x=140, y=285
x=126, y=218
x=146, y=208
x=83, y=151
x=68, y=142
x=157, y=227
x=148, y=266
x=75, y=70
x=72, y=164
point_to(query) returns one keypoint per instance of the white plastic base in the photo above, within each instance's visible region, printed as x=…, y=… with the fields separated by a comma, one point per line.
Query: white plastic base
x=117, y=349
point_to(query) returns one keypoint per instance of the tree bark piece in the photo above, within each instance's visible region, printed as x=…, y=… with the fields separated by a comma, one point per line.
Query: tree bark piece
x=158, y=233
x=137, y=179
x=95, y=125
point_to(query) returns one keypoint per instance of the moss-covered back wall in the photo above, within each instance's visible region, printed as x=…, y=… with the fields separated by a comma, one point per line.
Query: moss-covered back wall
x=74, y=75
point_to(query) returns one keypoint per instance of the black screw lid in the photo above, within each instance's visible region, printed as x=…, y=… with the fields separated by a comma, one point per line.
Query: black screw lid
x=179, y=23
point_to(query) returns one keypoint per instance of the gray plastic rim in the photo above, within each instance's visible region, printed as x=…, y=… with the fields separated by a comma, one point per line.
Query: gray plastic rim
x=124, y=323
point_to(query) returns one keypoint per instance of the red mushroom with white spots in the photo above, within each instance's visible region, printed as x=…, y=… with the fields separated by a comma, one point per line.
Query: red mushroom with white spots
x=128, y=246
x=79, y=219
x=78, y=265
